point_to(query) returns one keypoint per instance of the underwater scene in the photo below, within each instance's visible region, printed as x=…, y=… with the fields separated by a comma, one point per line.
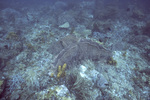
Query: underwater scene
x=74, y=49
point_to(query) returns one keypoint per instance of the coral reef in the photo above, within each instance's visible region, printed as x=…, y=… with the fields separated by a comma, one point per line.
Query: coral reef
x=55, y=92
x=32, y=78
x=85, y=82
x=72, y=49
x=9, y=49
x=79, y=86
x=75, y=50
x=15, y=82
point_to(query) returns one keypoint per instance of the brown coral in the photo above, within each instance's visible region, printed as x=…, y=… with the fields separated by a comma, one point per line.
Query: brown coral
x=71, y=49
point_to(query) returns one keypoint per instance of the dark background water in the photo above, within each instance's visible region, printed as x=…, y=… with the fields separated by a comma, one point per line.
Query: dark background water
x=35, y=3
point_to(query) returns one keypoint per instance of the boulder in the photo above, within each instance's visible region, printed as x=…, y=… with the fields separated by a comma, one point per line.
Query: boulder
x=65, y=25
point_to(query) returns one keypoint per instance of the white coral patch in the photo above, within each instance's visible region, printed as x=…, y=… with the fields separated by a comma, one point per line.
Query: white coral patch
x=62, y=90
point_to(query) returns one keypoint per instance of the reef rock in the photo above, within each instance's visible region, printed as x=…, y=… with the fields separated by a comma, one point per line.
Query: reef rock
x=9, y=49
x=65, y=25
